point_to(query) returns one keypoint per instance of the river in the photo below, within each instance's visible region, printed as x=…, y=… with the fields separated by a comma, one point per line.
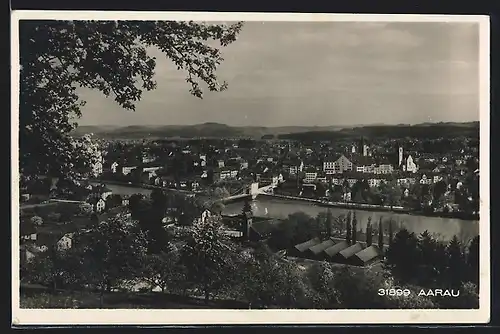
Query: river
x=445, y=228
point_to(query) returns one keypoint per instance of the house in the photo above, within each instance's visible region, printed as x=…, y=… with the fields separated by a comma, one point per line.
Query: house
x=362, y=163
x=97, y=168
x=316, y=252
x=27, y=232
x=25, y=197
x=425, y=180
x=367, y=256
x=98, y=204
x=301, y=249
x=244, y=165
x=332, y=251
x=65, y=242
x=344, y=255
x=147, y=158
x=335, y=165
x=126, y=170
x=203, y=160
x=125, y=200
x=375, y=180
x=114, y=167
x=406, y=162
x=383, y=168
x=27, y=253
x=233, y=234
x=100, y=191
x=293, y=166
x=227, y=173
x=310, y=175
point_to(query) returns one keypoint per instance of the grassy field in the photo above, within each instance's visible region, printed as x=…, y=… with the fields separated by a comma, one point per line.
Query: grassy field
x=43, y=299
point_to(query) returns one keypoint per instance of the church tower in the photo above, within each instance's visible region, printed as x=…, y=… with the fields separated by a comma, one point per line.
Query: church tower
x=247, y=225
x=400, y=156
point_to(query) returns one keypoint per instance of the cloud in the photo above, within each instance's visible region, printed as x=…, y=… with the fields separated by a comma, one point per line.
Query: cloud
x=325, y=73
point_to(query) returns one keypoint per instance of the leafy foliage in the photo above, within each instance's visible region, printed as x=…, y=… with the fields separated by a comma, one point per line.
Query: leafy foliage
x=207, y=256
x=110, y=252
x=164, y=270
x=58, y=57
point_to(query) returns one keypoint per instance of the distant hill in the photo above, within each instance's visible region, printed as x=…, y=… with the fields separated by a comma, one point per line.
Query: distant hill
x=217, y=130
x=424, y=130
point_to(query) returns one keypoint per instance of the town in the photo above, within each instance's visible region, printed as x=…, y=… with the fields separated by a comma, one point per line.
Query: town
x=191, y=181
x=395, y=174
x=333, y=168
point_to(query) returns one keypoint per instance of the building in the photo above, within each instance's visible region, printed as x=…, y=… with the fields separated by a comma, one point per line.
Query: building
x=332, y=251
x=367, y=256
x=126, y=170
x=227, y=173
x=301, y=249
x=293, y=167
x=344, y=256
x=383, y=168
x=337, y=165
x=114, y=167
x=310, y=175
x=27, y=232
x=97, y=168
x=98, y=204
x=316, y=252
x=65, y=242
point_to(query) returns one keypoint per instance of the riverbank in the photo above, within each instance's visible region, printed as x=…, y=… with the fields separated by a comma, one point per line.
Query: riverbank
x=317, y=202
x=372, y=207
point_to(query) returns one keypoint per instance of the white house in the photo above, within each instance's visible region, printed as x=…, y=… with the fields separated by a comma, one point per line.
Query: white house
x=98, y=204
x=114, y=166
x=310, y=176
x=65, y=242
x=126, y=170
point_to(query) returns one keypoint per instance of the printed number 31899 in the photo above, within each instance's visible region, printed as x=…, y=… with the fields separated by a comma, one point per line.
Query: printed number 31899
x=394, y=292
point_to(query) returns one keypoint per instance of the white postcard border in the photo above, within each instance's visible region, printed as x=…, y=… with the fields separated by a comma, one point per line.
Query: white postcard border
x=193, y=317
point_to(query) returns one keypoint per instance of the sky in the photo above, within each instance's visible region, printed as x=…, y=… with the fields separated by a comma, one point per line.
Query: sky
x=320, y=73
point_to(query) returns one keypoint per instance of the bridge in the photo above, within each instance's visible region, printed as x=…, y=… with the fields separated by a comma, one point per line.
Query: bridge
x=252, y=191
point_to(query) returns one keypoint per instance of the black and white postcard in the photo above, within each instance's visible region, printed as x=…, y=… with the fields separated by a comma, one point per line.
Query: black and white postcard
x=249, y=168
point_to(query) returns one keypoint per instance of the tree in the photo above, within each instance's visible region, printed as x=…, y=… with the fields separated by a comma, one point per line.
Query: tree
x=85, y=208
x=207, y=256
x=380, y=234
x=357, y=291
x=354, y=228
x=369, y=233
x=390, y=232
x=246, y=207
x=217, y=207
x=56, y=57
x=402, y=256
x=94, y=218
x=430, y=261
x=321, y=278
x=51, y=268
x=268, y=280
x=113, y=201
x=36, y=220
x=473, y=260
x=456, y=265
x=391, y=193
x=438, y=190
x=329, y=223
x=348, y=236
x=110, y=253
x=164, y=270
